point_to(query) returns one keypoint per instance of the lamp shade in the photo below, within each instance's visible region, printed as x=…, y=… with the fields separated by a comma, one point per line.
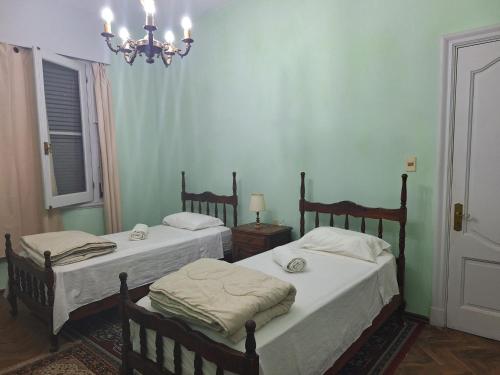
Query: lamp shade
x=257, y=203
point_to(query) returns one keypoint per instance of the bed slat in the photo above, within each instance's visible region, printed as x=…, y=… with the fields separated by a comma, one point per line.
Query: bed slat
x=144, y=345
x=199, y=207
x=224, y=213
x=363, y=225
x=216, y=211
x=208, y=208
x=331, y=220
x=36, y=293
x=198, y=365
x=159, y=351
x=220, y=371
x=316, y=220
x=41, y=288
x=380, y=228
x=346, y=223
x=192, y=208
x=28, y=283
x=177, y=359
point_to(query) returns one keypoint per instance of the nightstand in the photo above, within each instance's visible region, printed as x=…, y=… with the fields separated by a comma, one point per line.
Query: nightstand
x=249, y=239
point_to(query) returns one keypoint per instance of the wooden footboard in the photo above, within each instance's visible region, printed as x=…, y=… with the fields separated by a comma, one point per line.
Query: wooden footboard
x=33, y=285
x=204, y=349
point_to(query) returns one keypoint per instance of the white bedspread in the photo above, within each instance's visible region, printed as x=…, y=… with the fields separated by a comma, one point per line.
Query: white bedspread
x=165, y=250
x=337, y=299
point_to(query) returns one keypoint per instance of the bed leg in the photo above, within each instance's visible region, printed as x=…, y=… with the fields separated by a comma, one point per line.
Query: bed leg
x=13, y=303
x=54, y=342
x=401, y=313
x=11, y=284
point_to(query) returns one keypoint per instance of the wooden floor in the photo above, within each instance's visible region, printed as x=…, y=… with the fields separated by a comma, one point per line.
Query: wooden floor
x=436, y=351
x=445, y=351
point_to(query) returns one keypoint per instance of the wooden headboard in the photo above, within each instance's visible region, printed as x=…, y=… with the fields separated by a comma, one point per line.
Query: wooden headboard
x=209, y=197
x=347, y=208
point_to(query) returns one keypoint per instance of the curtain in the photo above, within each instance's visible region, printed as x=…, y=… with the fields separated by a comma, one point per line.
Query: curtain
x=106, y=126
x=22, y=210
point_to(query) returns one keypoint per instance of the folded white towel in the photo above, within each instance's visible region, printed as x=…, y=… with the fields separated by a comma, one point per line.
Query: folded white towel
x=288, y=258
x=140, y=232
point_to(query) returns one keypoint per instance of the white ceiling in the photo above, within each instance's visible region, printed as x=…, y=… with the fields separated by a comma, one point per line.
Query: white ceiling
x=167, y=10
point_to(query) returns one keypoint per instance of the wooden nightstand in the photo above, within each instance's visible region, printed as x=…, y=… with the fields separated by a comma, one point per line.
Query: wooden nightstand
x=250, y=240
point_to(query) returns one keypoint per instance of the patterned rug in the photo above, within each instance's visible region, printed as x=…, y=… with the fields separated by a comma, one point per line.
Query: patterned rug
x=97, y=345
x=77, y=358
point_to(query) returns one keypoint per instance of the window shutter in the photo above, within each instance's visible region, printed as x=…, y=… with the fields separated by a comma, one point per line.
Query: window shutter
x=64, y=129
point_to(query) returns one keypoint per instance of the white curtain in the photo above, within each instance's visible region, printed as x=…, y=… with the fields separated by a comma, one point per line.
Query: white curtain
x=21, y=191
x=107, y=139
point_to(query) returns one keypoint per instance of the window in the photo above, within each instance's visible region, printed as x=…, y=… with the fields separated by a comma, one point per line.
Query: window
x=68, y=132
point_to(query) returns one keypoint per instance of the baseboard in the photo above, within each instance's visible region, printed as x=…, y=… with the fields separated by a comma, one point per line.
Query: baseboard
x=417, y=317
x=438, y=316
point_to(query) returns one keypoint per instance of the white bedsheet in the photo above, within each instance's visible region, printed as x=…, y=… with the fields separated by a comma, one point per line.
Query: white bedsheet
x=165, y=250
x=337, y=299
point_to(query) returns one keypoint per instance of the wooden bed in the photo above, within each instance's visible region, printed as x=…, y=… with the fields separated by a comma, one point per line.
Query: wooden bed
x=34, y=285
x=247, y=363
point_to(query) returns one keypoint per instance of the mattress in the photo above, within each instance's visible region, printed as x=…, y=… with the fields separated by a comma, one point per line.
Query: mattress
x=165, y=250
x=337, y=299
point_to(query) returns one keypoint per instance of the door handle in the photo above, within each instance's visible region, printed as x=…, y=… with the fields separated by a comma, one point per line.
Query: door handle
x=458, y=217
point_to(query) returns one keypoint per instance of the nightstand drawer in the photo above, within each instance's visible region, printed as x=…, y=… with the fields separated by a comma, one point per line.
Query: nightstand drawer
x=246, y=252
x=249, y=241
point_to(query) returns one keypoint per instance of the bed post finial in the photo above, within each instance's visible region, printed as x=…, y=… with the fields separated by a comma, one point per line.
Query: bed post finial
x=404, y=177
x=301, y=202
x=123, y=286
x=250, y=343
x=235, y=210
x=46, y=255
x=183, y=190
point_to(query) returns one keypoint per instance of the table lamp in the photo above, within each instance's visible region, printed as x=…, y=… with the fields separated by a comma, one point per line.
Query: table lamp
x=257, y=204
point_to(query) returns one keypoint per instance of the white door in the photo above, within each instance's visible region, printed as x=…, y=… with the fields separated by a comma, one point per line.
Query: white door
x=474, y=258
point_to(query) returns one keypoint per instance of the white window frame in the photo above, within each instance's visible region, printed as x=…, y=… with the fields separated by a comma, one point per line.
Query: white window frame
x=90, y=139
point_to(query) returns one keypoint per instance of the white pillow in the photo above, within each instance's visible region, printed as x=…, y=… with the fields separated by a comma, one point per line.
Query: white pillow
x=344, y=242
x=191, y=221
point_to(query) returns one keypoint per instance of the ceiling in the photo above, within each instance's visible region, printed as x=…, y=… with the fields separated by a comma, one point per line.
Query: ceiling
x=167, y=10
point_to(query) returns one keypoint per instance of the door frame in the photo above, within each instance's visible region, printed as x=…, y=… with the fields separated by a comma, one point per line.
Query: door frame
x=450, y=44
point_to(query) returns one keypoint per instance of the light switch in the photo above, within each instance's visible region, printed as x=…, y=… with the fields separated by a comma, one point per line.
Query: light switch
x=411, y=164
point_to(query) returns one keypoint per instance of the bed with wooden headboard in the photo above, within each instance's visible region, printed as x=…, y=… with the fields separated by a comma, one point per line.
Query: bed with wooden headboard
x=150, y=359
x=35, y=286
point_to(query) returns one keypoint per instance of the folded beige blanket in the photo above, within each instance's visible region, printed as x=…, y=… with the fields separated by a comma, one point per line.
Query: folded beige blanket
x=222, y=296
x=65, y=247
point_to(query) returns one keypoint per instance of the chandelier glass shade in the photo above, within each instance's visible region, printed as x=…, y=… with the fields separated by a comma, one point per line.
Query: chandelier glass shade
x=148, y=46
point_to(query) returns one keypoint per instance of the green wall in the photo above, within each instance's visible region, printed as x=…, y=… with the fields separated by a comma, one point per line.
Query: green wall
x=343, y=90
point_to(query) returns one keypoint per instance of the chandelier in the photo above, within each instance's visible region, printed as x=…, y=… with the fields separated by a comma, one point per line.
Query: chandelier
x=148, y=46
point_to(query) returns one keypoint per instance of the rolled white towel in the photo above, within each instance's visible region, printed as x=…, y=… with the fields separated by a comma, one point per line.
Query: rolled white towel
x=140, y=232
x=289, y=259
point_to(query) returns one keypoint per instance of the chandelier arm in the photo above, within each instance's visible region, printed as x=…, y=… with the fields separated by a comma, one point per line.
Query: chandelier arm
x=186, y=50
x=110, y=46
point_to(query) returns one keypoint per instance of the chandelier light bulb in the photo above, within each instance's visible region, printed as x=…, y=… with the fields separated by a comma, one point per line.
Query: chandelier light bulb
x=124, y=34
x=169, y=37
x=107, y=15
x=149, y=6
x=186, y=25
